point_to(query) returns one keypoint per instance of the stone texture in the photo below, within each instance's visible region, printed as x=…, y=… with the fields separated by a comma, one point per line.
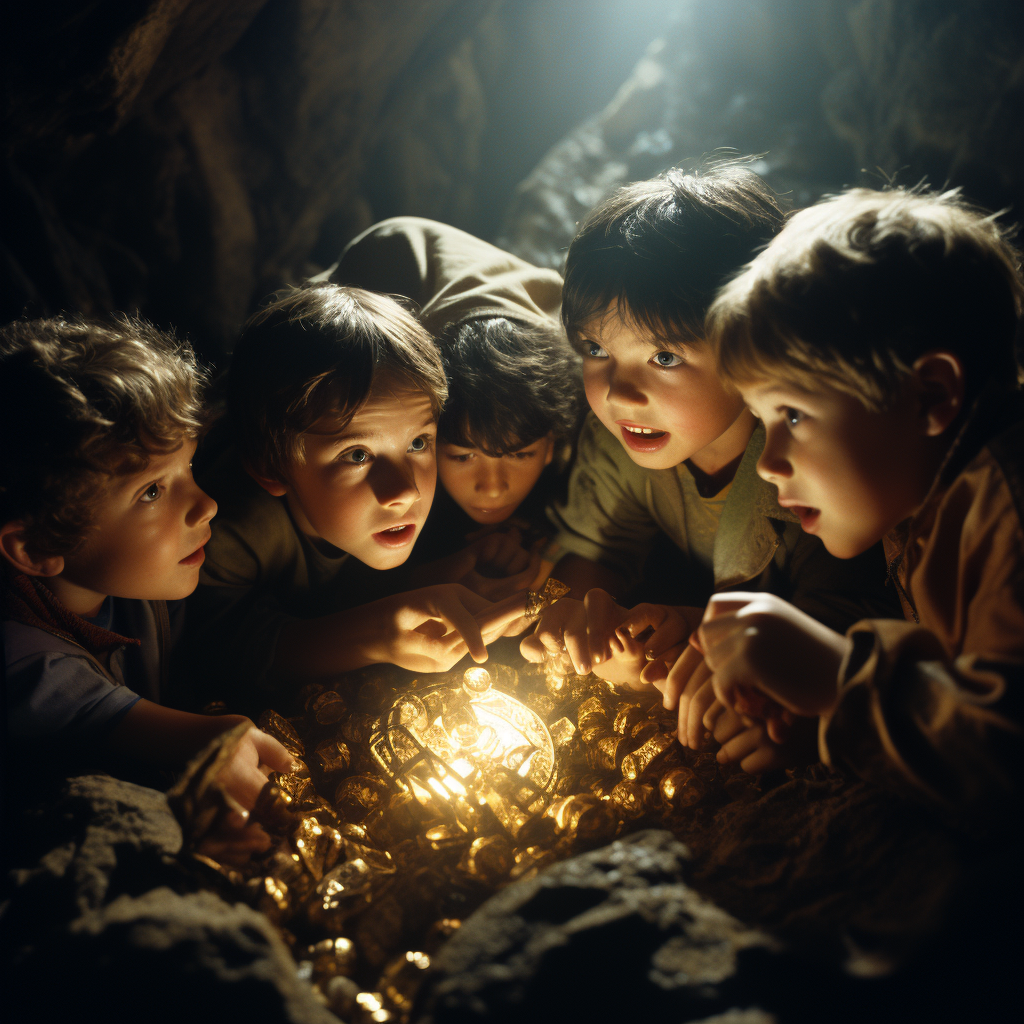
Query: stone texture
x=611, y=935
x=99, y=921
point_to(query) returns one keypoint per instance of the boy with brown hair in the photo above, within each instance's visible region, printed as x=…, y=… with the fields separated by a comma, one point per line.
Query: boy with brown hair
x=670, y=446
x=101, y=524
x=874, y=338
x=333, y=395
x=514, y=391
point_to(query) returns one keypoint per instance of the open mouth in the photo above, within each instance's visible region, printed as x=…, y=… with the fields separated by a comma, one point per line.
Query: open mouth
x=808, y=516
x=196, y=558
x=396, y=536
x=643, y=439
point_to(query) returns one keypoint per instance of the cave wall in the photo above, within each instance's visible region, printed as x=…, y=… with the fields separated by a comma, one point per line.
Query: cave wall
x=185, y=157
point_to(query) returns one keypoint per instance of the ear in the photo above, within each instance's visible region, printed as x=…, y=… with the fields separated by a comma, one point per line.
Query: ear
x=271, y=486
x=939, y=383
x=14, y=549
x=551, y=451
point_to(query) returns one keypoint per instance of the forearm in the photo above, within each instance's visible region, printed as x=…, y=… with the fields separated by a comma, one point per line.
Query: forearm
x=165, y=737
x=581, y=574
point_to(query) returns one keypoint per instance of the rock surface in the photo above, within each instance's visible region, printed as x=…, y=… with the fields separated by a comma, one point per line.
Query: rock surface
x=98, y=918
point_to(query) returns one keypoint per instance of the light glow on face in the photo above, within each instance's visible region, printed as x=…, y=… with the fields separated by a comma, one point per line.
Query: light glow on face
x=148, y=533
x=366, y=487
x=848, y=473
x=663, y=405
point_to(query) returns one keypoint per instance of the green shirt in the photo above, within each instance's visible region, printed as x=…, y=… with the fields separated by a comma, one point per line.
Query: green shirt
x=615, y=509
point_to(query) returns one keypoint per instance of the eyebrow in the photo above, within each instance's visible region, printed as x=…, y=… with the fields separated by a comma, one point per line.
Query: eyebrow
x=342, y=435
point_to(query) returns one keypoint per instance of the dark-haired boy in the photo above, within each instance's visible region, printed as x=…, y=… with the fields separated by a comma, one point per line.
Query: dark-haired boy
x=514, y=390
x=101, y=524
x=333, y=395
x=875, y=339
x=670, y=446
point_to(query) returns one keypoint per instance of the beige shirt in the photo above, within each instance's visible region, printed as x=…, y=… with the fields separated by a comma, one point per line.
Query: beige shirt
x=615, y=509
x=451, y=275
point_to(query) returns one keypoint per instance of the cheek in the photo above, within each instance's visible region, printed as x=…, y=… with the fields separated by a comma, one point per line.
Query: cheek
x=594, y=387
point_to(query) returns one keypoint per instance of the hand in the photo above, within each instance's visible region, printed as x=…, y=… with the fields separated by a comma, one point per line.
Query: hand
x=583, y=630
x=245, y=773
x=235, y=838
x=431, y=629
x=760, y=642
x=688, y=686
x=749, y=743
x=670, y=627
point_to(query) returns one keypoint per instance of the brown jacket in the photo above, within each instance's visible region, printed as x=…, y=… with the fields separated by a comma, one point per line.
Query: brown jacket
x=451, y=275
x=933, y=704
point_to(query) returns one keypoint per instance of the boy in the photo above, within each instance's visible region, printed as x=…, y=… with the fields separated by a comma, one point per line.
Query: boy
x=333, y=395
x=513, y=381
x=101, y=525
x=875, y=339
x=668, y=445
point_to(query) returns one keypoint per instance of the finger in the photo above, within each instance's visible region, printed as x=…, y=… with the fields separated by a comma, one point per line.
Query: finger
x=764, y=758
x=643, y=616
x=742, y=745
x=458, y=618
x=495, y=619
x=679, y=675
x=577, y=646
x=671, y=633
x=713, y=715
x=270, y=751
x=780, y=727
x=655, y=673
x=702, y=699
x=727, y=725
x=602, y=615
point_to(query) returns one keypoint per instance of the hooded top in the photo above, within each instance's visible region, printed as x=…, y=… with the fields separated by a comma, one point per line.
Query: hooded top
x=451, y=275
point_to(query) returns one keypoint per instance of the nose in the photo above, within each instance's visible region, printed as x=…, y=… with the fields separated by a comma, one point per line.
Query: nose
x=624, y=388
x=393, y=483
x=773, y=464
x=491, y=478
x=203, y=508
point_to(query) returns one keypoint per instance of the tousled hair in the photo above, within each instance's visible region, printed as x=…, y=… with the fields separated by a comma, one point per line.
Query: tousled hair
x=855, y=289
x=509, y=384
x=659, y=249
x=82, y=401
x=318, y=350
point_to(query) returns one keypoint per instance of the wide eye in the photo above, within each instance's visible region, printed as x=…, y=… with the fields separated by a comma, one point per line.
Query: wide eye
x=666, y=359
x=357, y=456
x=420, y=444
x=793, y=416
x=594, y=350
x=151, y=493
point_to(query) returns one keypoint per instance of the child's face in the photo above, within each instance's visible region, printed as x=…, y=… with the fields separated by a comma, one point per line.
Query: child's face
x=850, y=474
x=664, y=406
x=148, y=535
x=490, y=489
x=366, y=488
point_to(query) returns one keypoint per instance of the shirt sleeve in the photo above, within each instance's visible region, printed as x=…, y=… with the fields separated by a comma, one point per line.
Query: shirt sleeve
x=910, y=718
x=62, y=696
x=605, y=517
